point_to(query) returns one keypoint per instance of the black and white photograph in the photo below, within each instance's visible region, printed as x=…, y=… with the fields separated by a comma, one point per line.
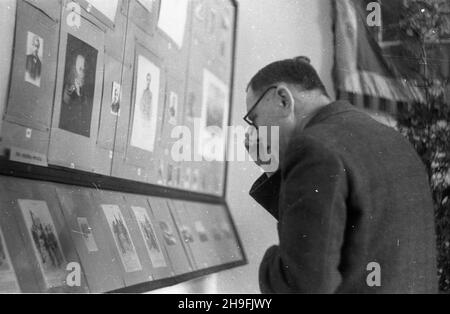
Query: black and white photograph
x=79, y=87
x=214, y=117
x=201, y=230
x=115, y=99
x=173, y=108
x=168, y=233
x=34, y=59
x=154, y=249
x=87, y=234
x=122, y=238
x=225, y=147
x=186, y=234
x=144, y=127
x=45, y=241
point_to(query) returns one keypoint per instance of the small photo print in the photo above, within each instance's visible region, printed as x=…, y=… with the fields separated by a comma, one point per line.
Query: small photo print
x=201, y=230
x=115, y=99
x=145, y=117
x=217, y=234
x=8, y=279
x=173, y=108
x=34, y=54
x=214, y=117
x=186, y=234
x=122, y=238
x=86, y=232
x=168, y=233
x=44, y=238
x=161, y=177
x=148, y=233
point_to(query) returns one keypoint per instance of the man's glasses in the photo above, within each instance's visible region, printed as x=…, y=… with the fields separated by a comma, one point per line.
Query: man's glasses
x=246, y=118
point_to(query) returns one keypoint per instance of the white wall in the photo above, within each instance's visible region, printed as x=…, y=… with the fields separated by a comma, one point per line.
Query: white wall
x=268, y=30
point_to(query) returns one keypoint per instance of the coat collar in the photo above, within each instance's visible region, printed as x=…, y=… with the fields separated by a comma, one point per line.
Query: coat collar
x=332, y=109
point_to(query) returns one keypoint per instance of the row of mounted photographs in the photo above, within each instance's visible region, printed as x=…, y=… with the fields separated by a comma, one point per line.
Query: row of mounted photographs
x=77, y=111
x=118, y=240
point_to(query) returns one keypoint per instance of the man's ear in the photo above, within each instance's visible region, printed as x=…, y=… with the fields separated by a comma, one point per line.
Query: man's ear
x=287, y=98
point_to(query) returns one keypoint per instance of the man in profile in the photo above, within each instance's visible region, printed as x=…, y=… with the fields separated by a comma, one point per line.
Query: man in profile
x=33, y=65
x=351, y=196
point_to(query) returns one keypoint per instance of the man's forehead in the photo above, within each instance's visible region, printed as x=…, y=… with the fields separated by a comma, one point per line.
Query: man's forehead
x=251, y=96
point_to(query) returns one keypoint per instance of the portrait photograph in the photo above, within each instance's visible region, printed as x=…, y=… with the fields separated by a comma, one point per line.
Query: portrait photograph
x=151, y=241
x=168, y=233
x=173, y=108
x=214, y=117
x=45, y=241
x=86, y=232
x=145, y=105
x=201, y=230
x=8, y=279
x=122, y=238
x=34, y=59
x=115, y=98
x=79, y=87
x=186, y=234
x=172, y=19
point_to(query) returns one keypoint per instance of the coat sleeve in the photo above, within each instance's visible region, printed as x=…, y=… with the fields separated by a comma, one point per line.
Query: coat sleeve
x=311, y=226
x=266, y=192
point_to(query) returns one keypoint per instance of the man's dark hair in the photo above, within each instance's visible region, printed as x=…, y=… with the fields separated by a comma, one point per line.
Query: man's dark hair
x=292, y=71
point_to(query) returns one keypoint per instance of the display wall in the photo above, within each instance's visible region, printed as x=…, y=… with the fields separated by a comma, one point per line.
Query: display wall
x=95, y=90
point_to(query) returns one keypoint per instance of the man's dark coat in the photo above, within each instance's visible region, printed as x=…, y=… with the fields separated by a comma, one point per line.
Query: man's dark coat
x=349, y=193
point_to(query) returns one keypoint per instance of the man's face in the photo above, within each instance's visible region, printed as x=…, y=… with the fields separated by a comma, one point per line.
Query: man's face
x=269, y=113
x=36, y=45
x=80, y=68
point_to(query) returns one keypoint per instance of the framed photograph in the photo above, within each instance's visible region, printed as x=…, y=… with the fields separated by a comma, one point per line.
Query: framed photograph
x=168, y=233
x=86, y=232
x=115, y=99
x=214, y=117
x=152, y=244
x=186, y=234
x=173, y=108
x=34, y=59
x=122, y=238
x=44, y=238
x=8, y=279
x=143, y=133
x=172, y=19
x=79, y=87
x=201, y=230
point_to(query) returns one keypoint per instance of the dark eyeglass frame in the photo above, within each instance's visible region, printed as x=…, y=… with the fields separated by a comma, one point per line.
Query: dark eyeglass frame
x=246, y=118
